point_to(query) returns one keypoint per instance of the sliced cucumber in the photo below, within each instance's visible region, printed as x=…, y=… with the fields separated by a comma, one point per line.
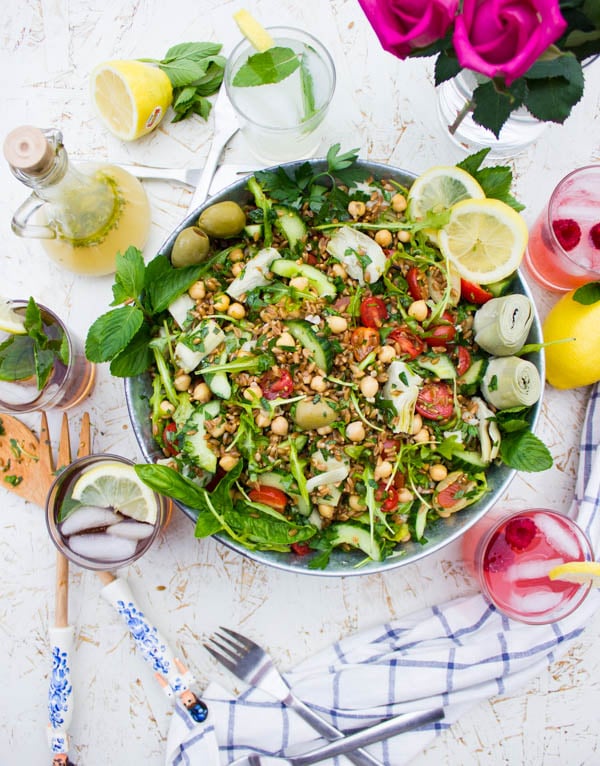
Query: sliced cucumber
x=441, y=366
x=357, y=537
x=289, y=269
x=286, y=484
x=218, y=382
x=470, y=457
x=320, y=348
x=194, y=436
x=253, y=231
x=470, y=380
x=500, y=288
x=290, y=224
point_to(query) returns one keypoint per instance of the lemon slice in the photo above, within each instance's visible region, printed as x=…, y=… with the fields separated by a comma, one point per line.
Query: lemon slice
x=130, y=97
x=578, y=572
x=10, y=321
x=254, y=32
x=485, y=239
x=115, y=485
x=439, y=189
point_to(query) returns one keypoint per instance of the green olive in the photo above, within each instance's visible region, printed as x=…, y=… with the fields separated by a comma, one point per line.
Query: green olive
x=222, y=220
x=191, y=246
x=311, y=413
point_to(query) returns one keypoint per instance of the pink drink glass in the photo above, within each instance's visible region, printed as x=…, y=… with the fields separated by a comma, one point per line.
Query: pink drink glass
x=574, y=206
x=510, y=558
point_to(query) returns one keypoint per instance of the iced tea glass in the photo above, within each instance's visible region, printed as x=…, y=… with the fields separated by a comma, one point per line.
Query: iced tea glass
x=283, y=121
x=511, y=556
x=563, y=252
x=67, y=385
x=95, y=530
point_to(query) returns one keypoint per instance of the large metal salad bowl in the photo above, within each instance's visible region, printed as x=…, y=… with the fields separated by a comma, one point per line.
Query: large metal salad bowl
x=342, y=563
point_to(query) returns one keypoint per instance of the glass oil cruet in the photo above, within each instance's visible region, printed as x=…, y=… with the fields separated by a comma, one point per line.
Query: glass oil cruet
x=83, y=215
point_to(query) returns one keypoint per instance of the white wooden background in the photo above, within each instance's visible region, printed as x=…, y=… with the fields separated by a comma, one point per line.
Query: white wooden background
x=387, y=109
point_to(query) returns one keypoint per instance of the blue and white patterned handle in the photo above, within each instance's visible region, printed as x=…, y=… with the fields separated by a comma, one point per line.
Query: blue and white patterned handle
x=150, y=643
x=60, y=690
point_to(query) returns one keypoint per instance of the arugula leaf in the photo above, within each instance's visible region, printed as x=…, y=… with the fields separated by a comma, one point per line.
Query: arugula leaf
x=523, y=451
x=267, y=68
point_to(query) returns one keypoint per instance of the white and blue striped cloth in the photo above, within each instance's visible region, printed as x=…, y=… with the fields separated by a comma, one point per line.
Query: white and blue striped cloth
x=455, y=655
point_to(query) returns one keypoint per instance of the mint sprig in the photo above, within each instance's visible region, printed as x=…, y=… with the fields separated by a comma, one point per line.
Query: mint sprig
x=495, y=181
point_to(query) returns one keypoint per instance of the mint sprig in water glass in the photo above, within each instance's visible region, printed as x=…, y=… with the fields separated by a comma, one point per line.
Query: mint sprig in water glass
x=281, y=95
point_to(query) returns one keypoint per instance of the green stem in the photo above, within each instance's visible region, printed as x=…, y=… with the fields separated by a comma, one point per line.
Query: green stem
x=468, y=107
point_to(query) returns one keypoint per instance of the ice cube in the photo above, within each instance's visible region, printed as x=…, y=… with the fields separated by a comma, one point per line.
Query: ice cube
x=531, y=570
x=535, y=602
x=102, y=547
x=132, y=530
x=88, y=517
x=559, y=536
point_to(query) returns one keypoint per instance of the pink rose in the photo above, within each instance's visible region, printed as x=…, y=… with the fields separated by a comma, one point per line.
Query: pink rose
x=403, y=25
x=503, y=38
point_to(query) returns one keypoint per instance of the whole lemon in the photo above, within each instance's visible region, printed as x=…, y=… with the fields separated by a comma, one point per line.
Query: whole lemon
x=575, y=362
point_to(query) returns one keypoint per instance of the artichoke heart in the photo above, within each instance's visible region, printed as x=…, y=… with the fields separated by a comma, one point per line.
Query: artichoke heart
x=362, y=257
x=511, y=382
x=501, y=325
x=402, y=390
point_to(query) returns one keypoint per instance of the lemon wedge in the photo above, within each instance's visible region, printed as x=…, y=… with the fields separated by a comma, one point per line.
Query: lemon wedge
x=130, y=97
x=254, y=32
x=10, y=321
x=577, y=572
x=115, y=485
x=485, y=239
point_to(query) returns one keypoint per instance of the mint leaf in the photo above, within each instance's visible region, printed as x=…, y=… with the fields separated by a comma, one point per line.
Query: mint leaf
x=44, y=363
x=495, y=181
x=136, y=357
x=272, y=66
x=308, y=91
x=523, y=451
x=17, y=361
x=129, y=276
x=111, y=332
x=163, y=282
x=587, y=294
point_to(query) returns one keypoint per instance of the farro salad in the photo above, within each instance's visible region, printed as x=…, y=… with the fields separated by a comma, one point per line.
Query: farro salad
x=322, y=377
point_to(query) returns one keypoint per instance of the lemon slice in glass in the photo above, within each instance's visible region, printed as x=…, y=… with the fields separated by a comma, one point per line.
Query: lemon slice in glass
x=130, y=97
x=578, y=572
x=254, y=32
x=115, y=485
x=485, y=239
x=10, y=321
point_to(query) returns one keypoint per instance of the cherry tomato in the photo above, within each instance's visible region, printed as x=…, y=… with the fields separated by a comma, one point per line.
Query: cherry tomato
x=364, y=340
x=390, y=449
x=435, y=401
x=271, y=496
x=168, y=439
x=474, y=293
x=373, y=311
x=408, y=344
x=275, y=383
x=441, y=335
x=388, y=497
x=415, y=288
x=464, y=360
x=301, y=549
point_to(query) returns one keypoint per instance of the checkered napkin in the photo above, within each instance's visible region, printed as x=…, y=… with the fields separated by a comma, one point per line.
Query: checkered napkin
x=452, y=655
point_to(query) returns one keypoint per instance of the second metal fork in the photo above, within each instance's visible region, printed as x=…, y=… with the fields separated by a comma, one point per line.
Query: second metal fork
x=250, y=663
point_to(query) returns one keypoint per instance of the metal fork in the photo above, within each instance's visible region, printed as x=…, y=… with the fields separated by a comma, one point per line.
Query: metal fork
x=186, y=176
x=252, y=664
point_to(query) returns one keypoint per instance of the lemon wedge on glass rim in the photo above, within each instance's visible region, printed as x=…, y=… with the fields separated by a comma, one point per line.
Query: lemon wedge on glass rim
x=117, y=486
x=577, y=572
x=485, y=239
x=253, y=31
x=10, y=321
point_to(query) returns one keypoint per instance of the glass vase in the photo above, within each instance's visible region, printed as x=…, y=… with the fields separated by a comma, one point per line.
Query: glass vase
x=517, y=134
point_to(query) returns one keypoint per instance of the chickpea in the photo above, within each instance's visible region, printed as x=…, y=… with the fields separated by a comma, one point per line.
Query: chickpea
x=404, y=236
x=325, y=510
x=237, y=269
x=356, y=208
x=285, y=339
x=222, y=302
x=236, y=311
x=384, y=238
x=263, y=419
x=417, y=424
x=356, y=503
x=438, y=472
x=228, y=462
x=197, y=291
x=324, y=430
x=337, y=325
x=405, y=495
x=299, y=283
x=386, y=354
x=166, y=408
x=383, y=470
x=182, y=381
x=418, y=310
x=422, y=436
x=201, y=392
x=279, y=426
x=355, y=431
x=236, y=255
x=339, y=271
x=368, y=386
x=399, y=203
x=253, y=392
x=318, y=384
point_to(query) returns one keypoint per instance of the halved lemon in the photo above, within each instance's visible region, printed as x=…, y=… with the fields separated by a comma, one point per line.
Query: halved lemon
x=116, y=485
x=439, y=189
x=254, y=32
x=577, y=572
x=10, y=321
x=485, y=239
x=131, y=97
